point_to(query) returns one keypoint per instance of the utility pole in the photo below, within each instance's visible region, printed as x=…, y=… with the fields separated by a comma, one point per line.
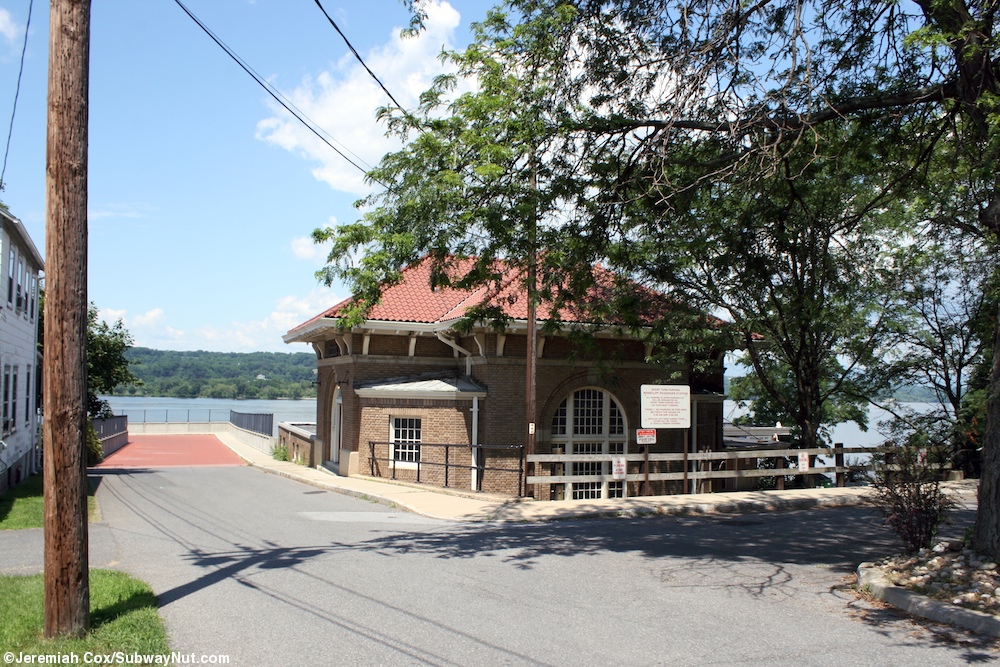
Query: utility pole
x=531, y=354
x=67, y=575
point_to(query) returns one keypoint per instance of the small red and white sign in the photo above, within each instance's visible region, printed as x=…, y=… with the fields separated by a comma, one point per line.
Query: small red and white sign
x=803, y=462
x=645, y=436
x=619, y=467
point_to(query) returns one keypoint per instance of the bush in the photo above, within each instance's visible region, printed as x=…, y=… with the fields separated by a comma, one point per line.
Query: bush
x=95, y=453
x=906, y=481
x=280, y=453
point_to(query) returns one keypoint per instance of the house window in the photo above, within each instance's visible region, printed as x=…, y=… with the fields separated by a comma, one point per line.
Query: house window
x=13, y=400
x=6, y=400
x=27, y=398
x=406, y=434
x=34, y=297
x=21, y=301
x=10, y=280
x=591, y=421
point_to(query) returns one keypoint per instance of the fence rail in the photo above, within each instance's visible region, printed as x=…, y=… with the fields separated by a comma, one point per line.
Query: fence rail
x=447, y=464
x=106, y=428
x=262, y=423
x=112, y=432
x=704, y=466
x=177, y=415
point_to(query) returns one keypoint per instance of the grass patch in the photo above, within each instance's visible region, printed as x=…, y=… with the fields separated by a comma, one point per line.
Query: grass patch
x=123, y=617
x=23, y=506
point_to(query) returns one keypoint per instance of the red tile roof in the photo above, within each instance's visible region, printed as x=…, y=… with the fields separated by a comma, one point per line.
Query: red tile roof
x=413, y=299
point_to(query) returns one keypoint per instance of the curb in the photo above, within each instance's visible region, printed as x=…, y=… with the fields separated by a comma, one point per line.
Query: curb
x=872, y=579
x=742, y=506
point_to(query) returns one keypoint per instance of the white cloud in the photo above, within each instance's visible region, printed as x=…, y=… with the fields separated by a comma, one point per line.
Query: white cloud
x=343, y=101
x=110, y=315
x=304, y=248
x=151, y=329
x=9, y=29
x=151, y=318
x=115, y=211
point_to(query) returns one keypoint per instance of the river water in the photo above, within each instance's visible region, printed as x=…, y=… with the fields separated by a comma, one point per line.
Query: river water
x=159, y=409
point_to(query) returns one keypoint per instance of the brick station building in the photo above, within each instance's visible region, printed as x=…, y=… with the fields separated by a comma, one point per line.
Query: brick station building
x=396, y=389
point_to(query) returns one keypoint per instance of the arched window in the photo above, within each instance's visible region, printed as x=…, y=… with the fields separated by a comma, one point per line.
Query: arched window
x=591, y=421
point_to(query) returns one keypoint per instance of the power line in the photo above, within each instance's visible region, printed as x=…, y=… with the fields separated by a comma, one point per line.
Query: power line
x=356, y=54
x=17, y=93
x=278, y=97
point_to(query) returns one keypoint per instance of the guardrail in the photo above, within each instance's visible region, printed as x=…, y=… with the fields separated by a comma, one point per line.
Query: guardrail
x=177, y=415
x=707, y=466
x=435, y=464
x=112, y=432
x=262, y=423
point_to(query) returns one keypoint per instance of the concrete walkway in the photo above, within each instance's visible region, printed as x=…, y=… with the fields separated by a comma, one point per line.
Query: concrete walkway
x=455, y=505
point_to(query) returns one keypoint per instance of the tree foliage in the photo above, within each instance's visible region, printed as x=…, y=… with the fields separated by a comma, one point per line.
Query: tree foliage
x=201, y=374
x=608, y=121
x=107, y=364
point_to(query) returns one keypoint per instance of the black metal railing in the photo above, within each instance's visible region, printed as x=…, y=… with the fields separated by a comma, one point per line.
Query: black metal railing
x=112, y=432
x=429, y=459
x=262, y=423
x=105, y=428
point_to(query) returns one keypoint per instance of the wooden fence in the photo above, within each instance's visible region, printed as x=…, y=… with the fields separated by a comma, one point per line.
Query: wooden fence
x=697, y=468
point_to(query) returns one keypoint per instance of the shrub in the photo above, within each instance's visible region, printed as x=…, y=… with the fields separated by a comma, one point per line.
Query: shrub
x=280, y=452
x=95, y=453
x=906, y=481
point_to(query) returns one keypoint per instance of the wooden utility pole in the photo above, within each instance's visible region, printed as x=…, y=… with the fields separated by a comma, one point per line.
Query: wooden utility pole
x=67, y=576
x=531, y=354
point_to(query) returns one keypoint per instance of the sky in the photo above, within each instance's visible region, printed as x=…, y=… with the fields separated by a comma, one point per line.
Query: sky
x=203, y=191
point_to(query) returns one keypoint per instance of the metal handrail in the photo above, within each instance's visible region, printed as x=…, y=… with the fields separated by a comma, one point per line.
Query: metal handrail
x=447, y=464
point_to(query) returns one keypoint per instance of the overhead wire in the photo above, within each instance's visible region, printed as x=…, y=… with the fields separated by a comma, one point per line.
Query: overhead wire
x=357, y=55
x=17, y=93
x=279, y=97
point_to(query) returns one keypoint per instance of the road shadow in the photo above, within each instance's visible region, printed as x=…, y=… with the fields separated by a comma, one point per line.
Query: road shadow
x=222, y=565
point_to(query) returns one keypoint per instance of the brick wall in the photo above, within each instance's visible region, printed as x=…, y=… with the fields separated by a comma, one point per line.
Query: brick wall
x=620, y=372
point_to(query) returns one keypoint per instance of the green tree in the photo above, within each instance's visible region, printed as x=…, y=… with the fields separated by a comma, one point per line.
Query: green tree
x=660, y=101
x=481, y=185
x=800, y=264
x=107, y=364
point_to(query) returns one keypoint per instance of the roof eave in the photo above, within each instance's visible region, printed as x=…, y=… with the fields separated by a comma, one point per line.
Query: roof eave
x=419, y=394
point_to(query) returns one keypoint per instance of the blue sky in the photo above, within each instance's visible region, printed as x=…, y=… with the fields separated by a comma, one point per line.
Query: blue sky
x=202, y=191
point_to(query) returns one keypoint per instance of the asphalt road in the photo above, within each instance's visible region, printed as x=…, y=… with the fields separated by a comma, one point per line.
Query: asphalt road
x=270, y=572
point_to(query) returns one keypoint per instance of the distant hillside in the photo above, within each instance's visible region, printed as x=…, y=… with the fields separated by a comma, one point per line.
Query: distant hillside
x=913, y=394
x=267, y=375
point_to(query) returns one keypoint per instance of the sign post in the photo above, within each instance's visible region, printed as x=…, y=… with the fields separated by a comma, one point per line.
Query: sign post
x=667, y=406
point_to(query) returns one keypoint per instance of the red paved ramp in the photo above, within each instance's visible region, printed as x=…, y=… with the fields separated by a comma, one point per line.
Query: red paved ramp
x=171, y=451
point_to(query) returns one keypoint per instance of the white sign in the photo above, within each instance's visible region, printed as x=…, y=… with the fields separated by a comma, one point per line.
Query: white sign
x=665, y=406
x=803, y=462
x=619, y=467
x=645, y=436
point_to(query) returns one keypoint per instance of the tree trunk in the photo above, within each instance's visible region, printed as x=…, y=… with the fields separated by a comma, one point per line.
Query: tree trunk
x=67, y=576
x=987, y=530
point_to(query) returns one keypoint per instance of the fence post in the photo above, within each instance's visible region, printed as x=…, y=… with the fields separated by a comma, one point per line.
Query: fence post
x=838, y=461
x=645, y=470
x=520, y=471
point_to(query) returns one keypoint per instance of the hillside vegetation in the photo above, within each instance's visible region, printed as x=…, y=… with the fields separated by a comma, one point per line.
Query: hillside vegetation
x=267, y=375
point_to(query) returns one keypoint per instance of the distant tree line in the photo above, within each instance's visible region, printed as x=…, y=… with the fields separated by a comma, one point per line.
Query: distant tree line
x=265, y=375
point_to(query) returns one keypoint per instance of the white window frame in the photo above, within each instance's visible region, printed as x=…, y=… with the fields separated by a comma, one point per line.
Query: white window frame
x=8, y=425
x=603, y=442
x=22, y=296
x=27, y=398
x=10, y=279
x=394, y=437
